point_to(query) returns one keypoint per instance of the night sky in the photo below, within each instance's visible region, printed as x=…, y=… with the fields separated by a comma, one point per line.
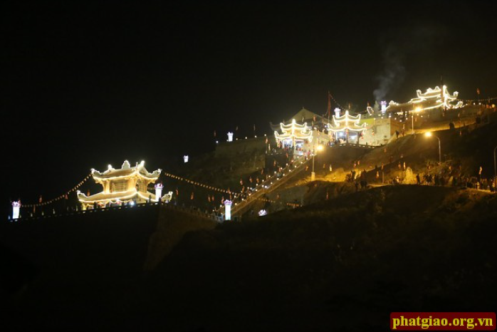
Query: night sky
x=83, y=85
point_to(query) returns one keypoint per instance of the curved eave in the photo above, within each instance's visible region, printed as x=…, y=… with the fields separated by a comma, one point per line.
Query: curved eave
x=125, y=174
x=287, y=136
x=350, y=117
x=150, y=176
x=362, y=128
x=105, y=197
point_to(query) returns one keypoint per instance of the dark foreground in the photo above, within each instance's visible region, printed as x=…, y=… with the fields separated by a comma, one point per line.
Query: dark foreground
x=340, y=265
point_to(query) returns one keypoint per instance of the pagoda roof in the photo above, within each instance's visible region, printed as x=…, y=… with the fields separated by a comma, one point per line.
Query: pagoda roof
x=347, y=121
x=126, y=171
x=280, y=137
x=294, y=130
x=432, y=98
x=121, y=195
x=306, y=115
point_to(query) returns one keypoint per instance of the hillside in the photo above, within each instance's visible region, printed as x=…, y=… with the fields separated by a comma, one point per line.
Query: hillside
x=233, y=166
x=342, y=264
x=82, y=268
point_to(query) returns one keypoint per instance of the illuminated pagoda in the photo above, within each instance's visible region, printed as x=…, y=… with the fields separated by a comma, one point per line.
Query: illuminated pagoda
x=293, y=135
x=347, y=127
x=125, y=185
x=431, y=99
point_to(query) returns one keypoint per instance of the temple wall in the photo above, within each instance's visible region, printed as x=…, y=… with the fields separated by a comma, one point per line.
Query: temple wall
x=382, y=132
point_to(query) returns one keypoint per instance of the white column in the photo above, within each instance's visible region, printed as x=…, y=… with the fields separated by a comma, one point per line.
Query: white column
x=227, y=209
x=16, y=206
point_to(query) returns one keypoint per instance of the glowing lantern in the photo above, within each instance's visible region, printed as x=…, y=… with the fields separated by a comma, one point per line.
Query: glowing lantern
x=158, y=191
x=383, y=106
x=185, y=158
x=230, y=136
x=16, y=205
x=227, y=209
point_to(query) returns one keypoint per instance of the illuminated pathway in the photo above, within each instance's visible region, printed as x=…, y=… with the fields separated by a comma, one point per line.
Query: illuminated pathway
x=275, y=182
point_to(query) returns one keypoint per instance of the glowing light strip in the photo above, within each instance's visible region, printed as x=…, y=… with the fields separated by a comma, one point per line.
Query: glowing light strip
x=345, y=119
x=294, y=131
x=197, y=183
x=348, y=128
x=478, y=100
x=442, y=98
x=133, y=194
x=284, y=136
x=59, y=197
x=218, y=189
x=136, y=172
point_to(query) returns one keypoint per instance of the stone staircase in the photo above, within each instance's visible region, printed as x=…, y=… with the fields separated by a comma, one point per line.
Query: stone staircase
x=273, y=183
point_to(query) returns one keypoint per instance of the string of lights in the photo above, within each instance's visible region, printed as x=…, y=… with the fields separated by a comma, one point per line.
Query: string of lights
x=205, y=186
x=195, y=183
x=477, y=100
x=58, y=198
x=198, y=184
x=336, y=102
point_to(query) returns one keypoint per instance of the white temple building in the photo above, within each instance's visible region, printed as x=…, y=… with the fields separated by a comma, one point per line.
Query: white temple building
x=294, y=135
x=347, y=128
x=431, y=99
x=124, y=185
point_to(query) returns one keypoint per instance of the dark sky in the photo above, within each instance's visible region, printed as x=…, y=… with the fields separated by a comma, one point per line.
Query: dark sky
x=84, y=85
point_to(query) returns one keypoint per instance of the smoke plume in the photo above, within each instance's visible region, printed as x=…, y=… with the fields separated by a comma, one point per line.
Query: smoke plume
x=393, y=73
x=413, y=42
